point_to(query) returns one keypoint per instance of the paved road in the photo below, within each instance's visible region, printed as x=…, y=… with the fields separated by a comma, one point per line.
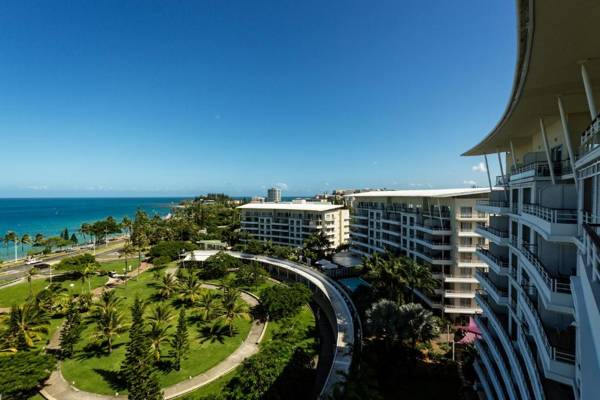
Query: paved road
x=20, y=270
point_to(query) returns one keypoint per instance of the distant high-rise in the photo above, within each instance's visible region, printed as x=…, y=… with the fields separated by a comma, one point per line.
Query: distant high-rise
x=274, y=195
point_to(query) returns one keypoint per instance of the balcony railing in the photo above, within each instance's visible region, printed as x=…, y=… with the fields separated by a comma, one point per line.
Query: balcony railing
x=591, y=243
x=496, y=260
x=492, y=203
x=540, y=168
x=552, y=351
x=482, y=277
x=532, y=368
x=590, y=138
x=493, y=231
x=554, y=284
x=552, y=215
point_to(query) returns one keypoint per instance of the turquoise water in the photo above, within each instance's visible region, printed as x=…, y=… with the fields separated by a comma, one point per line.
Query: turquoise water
x=50, y=216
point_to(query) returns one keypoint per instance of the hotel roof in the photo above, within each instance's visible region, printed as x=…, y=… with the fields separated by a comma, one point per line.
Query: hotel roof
x=439, y=193
x=291, y=206
x=553, y=38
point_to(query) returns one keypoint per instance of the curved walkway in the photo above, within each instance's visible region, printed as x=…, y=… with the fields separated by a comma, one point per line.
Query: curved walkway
x=57, y=388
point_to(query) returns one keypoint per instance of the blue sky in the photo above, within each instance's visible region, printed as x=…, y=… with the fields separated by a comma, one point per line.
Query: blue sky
x=118, y=98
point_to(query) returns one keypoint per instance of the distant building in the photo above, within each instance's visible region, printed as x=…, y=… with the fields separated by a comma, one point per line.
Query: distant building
x=258, y=199
x=290, y=224
x=437, y=228
x=274, y=195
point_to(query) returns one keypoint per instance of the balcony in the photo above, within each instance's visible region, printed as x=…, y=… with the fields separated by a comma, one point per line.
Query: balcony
x=487, y=362
x=466, y=248
x=483, y=379
x=433, y=230
x=551, y=223
x=455, y=309
x=459, y=279
x=459, y=294
x=471, y=264
x=497, y=236
x=434, y=259
x=433, y=244
x=472, y=217
x=498, y=327
x=499, y=266
x=556, y=291
x=590, y=140
x=559, y=364
x=531, y=366
x=500, y=296
x=496, y=357
x=492, y=207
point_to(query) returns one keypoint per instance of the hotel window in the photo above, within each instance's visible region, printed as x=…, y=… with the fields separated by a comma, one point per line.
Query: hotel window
x=466, y=211
x=466, y=226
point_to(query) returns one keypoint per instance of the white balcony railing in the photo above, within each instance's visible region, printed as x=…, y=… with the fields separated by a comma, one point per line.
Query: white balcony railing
x=590, y=138
x=552, y=215
x=554, y=284
x=552, y=352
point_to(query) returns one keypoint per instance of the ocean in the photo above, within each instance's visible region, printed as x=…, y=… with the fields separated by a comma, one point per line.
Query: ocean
x=52, y=215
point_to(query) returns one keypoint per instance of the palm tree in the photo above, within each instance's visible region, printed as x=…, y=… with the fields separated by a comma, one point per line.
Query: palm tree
x=189, y=288
x=417, y=276
x=25, y=239
x=208, y=305
x=125, y=252
x=317, y=245
x=32, y=271
x=38, y=240
x=127, y=225
x=166, y=286
x=11, y=237
x=159, y=327
x=383, y=321
x=109, y=320
x=417, y=324
x=26, y=323
x=86, y=272
x=109, y=326
x=85, y=229
x=233, y=308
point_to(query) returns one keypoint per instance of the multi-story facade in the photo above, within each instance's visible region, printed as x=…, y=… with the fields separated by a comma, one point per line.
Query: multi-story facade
x=541, y=296
x=274, y=195
x=436, y=228
x=290, y=224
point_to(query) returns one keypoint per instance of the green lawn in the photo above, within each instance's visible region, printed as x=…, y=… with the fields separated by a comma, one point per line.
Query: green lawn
x=211, y=389
x=98, y=372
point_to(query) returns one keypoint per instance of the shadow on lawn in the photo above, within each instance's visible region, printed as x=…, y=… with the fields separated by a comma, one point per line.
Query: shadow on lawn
x=214, y=333
x=113, y=378
x=95, y=350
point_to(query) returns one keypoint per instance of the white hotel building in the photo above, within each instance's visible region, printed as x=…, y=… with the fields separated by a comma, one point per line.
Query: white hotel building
x=436, y=228
x=541, y=299
x=290, y=224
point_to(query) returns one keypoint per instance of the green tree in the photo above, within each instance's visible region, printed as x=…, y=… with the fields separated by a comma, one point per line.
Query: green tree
x=251, y=274
x=26, y=323
x=233, y=308
x=84, y=265
x=71, y=330
x=22, y=374
x=189, y=288
x=284, y=301
x=383, y=321
x=73, y=239
x=417, y=325
x=417, y=276
x=166, y=286
x=38, y=240
x=138, y=369
x=317, y=245
x=180, y=342
x=110, y=322
x=25, y=239
x=159, y=319
x=208, y=305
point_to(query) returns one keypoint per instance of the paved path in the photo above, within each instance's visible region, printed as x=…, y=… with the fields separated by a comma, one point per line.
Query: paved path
x=57, y=388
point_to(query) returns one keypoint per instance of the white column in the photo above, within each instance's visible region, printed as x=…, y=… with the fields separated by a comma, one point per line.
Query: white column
x=504, y=182
x=567, y=135
x=512, y=155
x=487, y=168
x=547, y=150
x=587, y=84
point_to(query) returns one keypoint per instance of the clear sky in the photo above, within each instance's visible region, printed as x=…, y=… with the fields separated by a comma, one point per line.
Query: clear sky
x=117, y=98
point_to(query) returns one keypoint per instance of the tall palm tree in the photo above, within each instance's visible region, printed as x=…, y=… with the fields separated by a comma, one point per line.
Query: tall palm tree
x=208, y=305
x=125, y=252
x=25, y=239
x=26, y=324
x=158, y=334
x=166, y=286
x=162, y=313
x=30, y=273
x=109, y=326
x=418, y=276
x=11, y=237
x=189, y=288
x=38, y=240
x=85, y=229
x=88, y=270
x=233, y=308
x=127, y=225
x=110, y=322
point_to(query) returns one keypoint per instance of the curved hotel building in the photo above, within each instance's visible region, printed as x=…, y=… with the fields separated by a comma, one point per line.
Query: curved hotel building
x=540, y=298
